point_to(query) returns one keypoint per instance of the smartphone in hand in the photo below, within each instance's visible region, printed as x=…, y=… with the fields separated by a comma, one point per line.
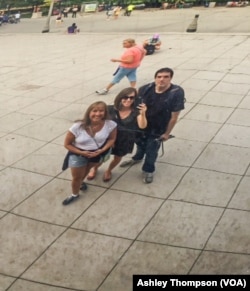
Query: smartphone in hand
x=140, y=100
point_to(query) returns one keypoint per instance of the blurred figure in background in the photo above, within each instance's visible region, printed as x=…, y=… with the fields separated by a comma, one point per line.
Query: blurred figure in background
x=73, y=29
x=117, y=11
x=18, y=16
x=128, y=64
x=154, y=40
x=129, y=10
x=152, y=44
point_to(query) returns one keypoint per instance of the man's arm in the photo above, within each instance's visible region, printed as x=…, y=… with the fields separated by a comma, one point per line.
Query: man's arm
x=170, y=126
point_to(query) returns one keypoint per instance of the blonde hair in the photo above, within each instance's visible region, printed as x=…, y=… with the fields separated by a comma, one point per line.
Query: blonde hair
x=130, y=40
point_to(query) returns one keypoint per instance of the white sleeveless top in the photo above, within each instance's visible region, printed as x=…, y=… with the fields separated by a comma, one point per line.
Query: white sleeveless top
x=85, y=142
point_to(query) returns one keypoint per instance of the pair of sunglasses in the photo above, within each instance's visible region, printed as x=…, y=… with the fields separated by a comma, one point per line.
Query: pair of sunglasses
x=128, y=97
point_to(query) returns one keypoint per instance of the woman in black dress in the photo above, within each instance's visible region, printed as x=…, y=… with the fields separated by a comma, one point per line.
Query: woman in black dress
x=129, y=118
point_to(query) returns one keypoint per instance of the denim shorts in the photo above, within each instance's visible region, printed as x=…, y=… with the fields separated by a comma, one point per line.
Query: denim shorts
x=125, y=72
x=76, y=161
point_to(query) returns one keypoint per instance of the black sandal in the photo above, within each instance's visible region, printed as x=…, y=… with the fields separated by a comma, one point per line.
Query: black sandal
x=84, y=186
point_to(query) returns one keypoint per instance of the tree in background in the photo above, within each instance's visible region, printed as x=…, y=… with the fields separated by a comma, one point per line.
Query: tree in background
x=8, y=4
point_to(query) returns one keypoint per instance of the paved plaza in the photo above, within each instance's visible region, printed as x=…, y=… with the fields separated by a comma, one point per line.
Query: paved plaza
x=193, y=219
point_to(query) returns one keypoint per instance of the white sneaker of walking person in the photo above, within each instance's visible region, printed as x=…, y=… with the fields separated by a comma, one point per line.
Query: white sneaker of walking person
x=102, y=91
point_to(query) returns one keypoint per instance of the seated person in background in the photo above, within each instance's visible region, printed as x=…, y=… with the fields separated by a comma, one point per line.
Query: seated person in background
x=73, y=29
x=59, y=18
x=155, y=41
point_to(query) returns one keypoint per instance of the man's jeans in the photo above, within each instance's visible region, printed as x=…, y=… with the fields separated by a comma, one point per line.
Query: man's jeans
x=149, y=147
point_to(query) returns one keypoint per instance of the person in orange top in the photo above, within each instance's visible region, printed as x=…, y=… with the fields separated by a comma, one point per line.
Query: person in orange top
x=117, y=11
x=129, y=62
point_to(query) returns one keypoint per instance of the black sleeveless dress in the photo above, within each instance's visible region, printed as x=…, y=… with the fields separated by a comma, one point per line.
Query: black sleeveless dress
x=127, y=129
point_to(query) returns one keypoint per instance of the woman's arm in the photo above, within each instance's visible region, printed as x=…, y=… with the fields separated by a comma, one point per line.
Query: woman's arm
x=171, y=124
x=127, y=60
x=68, y=144
x=141, y=117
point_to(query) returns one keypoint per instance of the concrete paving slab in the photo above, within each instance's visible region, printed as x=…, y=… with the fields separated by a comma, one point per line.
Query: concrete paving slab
x=21, y=285
x=82, y=265
x=10, y=153
x=206, y=187
x=26, y=234
x=188, y=151
x=234, y=135
x=222, y=99
x=10, y=178
x=14, y=120
x=221, y=263
x=145, y=258
x=245, y=102
x=196, y=130
x=5, y=281
x=241, y=199
x=43, y=205
x=171, y=175
x=209, y=113
x=37, y=162
x=229, y=231
x=240, y=117
x=181, y=224
x=117, y=206
x=220, y=157
x=192, y=219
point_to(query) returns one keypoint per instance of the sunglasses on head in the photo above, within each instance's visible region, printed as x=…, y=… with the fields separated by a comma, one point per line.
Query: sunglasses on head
x=128, y=97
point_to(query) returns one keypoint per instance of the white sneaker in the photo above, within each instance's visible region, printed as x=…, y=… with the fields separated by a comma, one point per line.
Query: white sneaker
x=102, y=92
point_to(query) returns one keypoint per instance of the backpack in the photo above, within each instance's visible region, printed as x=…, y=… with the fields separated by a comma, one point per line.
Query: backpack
x=150, y=49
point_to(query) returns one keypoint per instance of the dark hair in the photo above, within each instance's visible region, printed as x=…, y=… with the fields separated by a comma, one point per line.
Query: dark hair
x=123, y=93
x=85, y=122
x=165, y=70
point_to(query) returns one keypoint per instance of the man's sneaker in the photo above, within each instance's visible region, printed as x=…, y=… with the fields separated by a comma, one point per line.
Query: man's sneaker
x=129, y=163
x=84, y=186
x=148, y=177
x=70, y=199
x=102, y=92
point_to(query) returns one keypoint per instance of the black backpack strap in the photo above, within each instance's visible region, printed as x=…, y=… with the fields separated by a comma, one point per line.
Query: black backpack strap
x=145, y=90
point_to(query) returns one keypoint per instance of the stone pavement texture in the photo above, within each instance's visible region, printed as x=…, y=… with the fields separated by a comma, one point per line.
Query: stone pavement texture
x=194, y=218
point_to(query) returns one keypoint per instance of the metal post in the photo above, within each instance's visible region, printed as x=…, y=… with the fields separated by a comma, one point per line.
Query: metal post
x=193, y=25
x=47, y=24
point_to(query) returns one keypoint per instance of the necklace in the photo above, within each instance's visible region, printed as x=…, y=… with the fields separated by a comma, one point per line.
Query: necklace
x=93, y=128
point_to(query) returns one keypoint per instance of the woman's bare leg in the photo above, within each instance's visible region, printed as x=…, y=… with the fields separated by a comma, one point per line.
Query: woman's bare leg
x=77, y=177
x=108, y=173
x=93, y=170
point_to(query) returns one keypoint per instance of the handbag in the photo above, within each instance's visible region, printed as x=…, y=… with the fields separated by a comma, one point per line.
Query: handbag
x=105, y=156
